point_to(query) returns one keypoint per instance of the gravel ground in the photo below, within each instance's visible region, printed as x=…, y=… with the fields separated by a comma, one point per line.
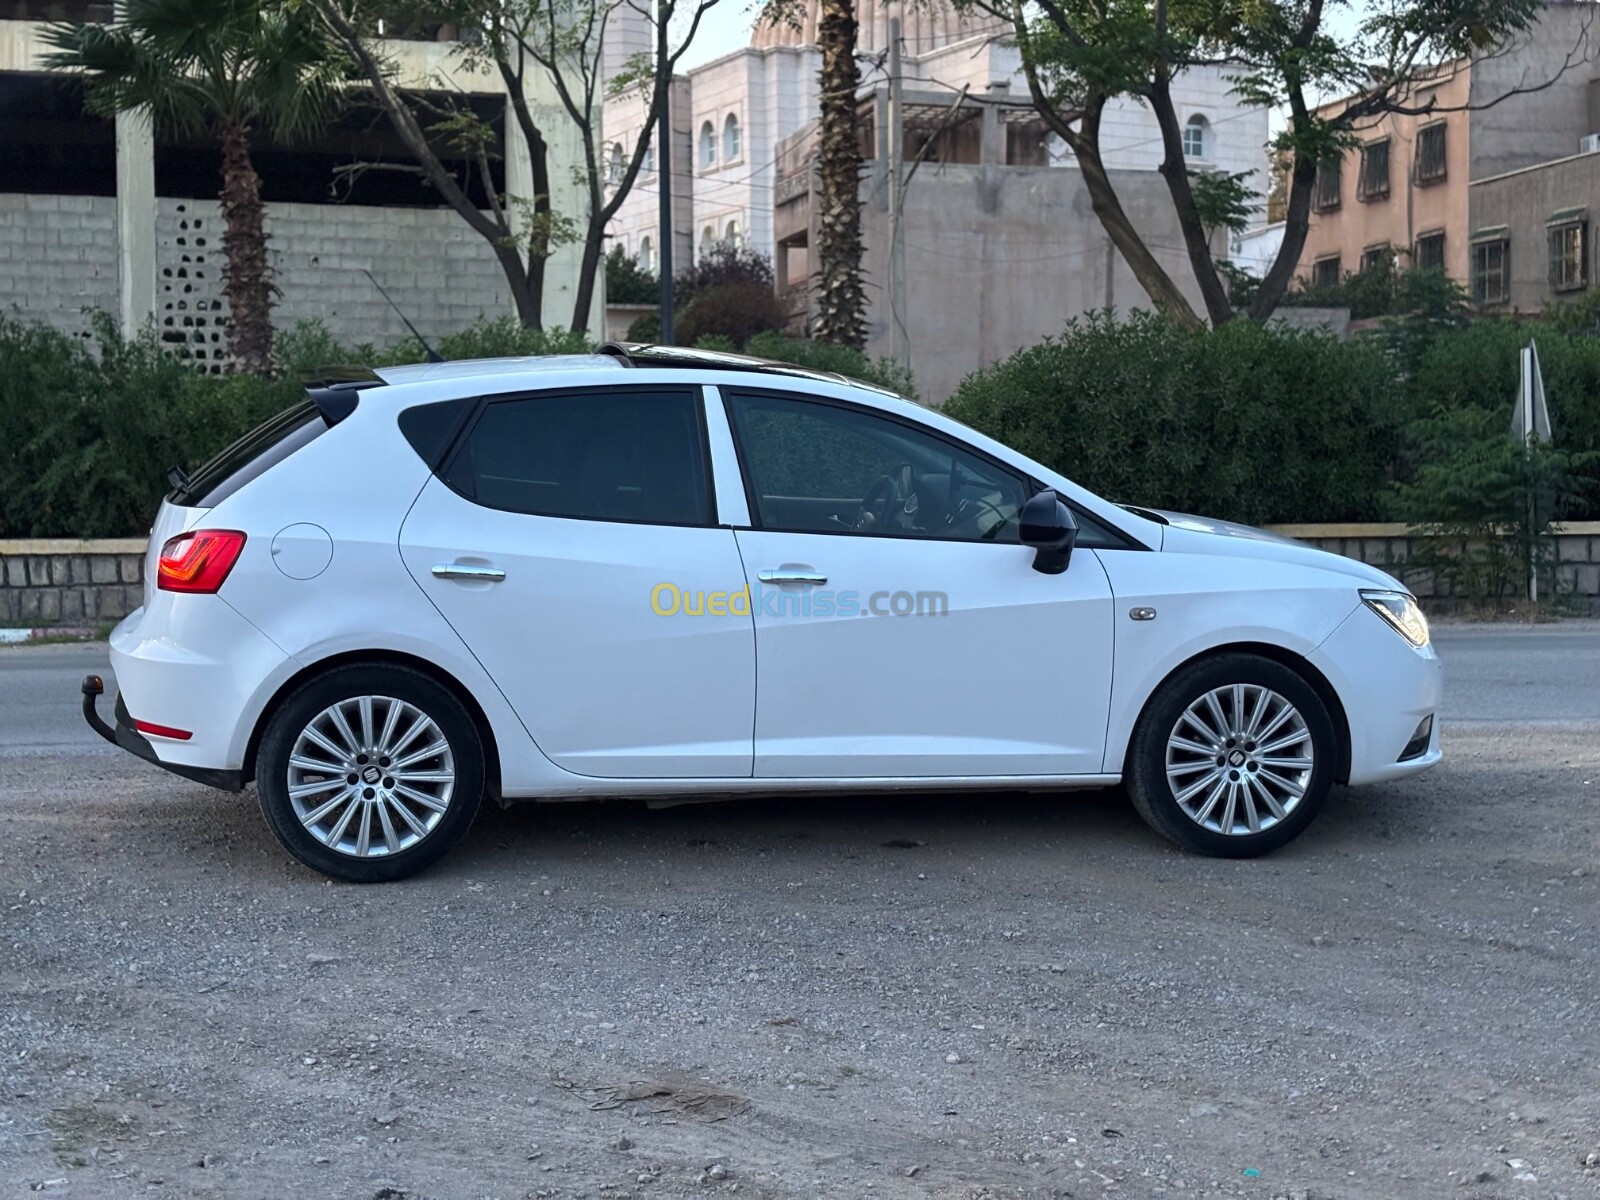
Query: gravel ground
x=1013, y=996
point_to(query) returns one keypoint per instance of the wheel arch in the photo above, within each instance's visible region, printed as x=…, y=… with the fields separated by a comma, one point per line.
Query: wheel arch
x=1299, y=664
x=491, y=748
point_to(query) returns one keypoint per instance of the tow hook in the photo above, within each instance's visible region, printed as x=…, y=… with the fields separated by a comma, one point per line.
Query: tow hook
x=93, y=688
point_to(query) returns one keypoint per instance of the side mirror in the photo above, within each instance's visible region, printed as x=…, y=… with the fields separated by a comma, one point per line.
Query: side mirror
x=1046, y=524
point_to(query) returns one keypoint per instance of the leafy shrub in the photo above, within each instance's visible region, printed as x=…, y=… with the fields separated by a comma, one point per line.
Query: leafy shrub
x=1245, y=422
x=886, y=373
x=722, y=264
x=627, y=282
x=735, y=311
x=645, y=328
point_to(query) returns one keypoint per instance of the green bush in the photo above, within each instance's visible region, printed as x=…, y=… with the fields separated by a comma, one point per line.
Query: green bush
x=1249, y=423
x=736, y=312
x=885, y=373
x=627, y=282
x=88, y=429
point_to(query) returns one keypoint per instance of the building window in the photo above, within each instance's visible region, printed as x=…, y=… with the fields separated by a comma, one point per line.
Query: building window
x=708, y=240
x=648, y=162
x=732, y=139
x=733, y=235
x=1326, y=197
x=614, y=166
x=1431, y=166
x=1429, y=253
x=1569, y=259
x=1325, y=272
x=1374, y=181
x=1490, y=273
x=1373, y=257
x=708, y=145
x=647, y=254
x=1196, y=137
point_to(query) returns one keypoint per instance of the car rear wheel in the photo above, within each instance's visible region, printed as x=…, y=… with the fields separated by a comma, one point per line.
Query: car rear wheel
x=1233, y=756
x=370, y=773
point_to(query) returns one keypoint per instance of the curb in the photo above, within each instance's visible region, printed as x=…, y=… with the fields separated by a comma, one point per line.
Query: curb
x=15, y=637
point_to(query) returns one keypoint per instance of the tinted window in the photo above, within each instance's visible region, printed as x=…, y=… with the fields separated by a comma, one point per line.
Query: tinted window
x=252, y=455
x=823, y=468
x=615, y=456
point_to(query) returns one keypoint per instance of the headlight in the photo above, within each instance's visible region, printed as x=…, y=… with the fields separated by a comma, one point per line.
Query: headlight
x=1402, y=612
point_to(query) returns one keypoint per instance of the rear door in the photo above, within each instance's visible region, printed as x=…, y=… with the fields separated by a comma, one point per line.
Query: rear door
x=552, y=541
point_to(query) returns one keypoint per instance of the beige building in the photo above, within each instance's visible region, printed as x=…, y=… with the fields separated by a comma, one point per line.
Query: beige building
x=1408, y=185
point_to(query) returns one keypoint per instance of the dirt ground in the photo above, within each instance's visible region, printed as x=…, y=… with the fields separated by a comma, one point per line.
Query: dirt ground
x=1011, y=996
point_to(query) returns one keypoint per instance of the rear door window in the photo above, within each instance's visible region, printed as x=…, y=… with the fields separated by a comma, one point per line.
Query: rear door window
x=634, y=456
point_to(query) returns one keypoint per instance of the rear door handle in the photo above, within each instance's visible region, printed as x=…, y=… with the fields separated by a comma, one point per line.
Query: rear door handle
x=792, y=573
x=467, y=571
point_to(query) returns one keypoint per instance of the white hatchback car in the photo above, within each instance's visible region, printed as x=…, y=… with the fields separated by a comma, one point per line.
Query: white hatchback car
x=682, y=576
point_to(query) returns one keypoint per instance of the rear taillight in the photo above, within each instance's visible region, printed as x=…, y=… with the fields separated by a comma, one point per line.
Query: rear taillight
x=198, y=561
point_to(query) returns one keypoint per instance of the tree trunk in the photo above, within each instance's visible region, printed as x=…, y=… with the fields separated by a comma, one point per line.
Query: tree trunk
x=841, y=301
x=1155, y=281
x=1302, y=183
x=588, y=269
x=247, y=277
x=1175, y=170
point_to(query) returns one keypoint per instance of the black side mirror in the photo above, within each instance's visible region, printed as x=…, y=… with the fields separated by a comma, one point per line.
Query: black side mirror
x=1046, y=524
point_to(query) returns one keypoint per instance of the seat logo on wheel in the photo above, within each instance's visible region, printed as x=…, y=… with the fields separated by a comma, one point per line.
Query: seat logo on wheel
x=371, y=775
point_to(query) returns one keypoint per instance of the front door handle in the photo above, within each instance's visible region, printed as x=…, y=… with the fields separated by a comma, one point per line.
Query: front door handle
x=467, y=571
x=792, y=573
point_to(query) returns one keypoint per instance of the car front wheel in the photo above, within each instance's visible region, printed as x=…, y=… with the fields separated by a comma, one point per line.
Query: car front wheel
x=370, y=772
x=1233, y=756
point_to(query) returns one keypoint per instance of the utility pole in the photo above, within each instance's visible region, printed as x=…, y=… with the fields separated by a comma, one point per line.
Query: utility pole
x=898, y=349
x=664, y=190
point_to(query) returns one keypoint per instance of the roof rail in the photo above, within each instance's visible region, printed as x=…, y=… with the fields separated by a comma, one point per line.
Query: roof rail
x=644, y=354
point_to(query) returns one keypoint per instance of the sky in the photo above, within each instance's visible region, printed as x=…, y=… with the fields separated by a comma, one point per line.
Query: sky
x=726, y=28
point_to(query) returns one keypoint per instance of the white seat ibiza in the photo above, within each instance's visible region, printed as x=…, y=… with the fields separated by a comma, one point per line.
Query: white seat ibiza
x=674, y=575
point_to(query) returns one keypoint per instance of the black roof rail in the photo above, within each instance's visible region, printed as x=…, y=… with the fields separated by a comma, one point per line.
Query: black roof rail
x=644, y=354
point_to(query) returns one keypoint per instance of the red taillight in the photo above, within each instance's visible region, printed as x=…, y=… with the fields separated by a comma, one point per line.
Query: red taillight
x=198, y=561
x=166, y=731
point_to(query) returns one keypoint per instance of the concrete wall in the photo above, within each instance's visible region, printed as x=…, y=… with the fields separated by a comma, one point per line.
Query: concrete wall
x=1550, y=68
x=58, y=258
x=997, y=258
x=1523, y=201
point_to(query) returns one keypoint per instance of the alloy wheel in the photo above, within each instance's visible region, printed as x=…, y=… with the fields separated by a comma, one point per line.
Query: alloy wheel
x=370, y=776
x=1239, y=759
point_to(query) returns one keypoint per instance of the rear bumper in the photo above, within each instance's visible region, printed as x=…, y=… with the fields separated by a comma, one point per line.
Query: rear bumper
x=130, y=739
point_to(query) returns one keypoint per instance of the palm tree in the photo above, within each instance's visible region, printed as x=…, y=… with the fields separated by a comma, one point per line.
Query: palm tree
x=225, y=69
x=841, y=300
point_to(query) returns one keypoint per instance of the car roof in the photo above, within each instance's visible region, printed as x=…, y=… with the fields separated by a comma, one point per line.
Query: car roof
x=619, y=356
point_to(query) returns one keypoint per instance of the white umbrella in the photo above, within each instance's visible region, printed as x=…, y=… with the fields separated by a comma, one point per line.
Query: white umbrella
x=1530, y=423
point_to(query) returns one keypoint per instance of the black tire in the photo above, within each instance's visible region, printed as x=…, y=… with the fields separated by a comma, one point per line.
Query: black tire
x=349, y=682
x=1153, y=794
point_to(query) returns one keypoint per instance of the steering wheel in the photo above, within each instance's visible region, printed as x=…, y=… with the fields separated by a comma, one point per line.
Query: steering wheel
x=891, y=500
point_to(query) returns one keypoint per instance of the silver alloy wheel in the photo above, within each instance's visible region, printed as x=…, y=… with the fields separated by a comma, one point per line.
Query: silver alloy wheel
x=371, y=776
x=1239, y=759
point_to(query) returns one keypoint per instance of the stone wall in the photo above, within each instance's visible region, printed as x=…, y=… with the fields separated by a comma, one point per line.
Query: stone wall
x=69, y=583
x=83, y=583
x=1391, y=547
x=58, y=258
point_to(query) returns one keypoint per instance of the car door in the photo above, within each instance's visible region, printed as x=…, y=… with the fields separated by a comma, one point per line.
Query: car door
x=544, y=541
x=901, y=630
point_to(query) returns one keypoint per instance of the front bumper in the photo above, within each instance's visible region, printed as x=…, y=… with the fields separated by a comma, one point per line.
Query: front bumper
x=135, y=743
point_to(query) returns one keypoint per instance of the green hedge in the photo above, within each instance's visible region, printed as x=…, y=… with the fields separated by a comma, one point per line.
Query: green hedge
x=1268, y=425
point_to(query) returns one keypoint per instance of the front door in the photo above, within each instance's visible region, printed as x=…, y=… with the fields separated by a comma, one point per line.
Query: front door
x=901, y=630
x=544, y=543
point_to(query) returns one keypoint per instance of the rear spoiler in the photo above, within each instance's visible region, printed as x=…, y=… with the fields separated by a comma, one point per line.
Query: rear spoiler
x=334, y=390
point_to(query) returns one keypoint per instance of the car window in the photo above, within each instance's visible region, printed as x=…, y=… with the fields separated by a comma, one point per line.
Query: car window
x=611, y=456
x=815, y=467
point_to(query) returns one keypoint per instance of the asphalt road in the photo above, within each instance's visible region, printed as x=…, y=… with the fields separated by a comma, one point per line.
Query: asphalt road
x=952, y=997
